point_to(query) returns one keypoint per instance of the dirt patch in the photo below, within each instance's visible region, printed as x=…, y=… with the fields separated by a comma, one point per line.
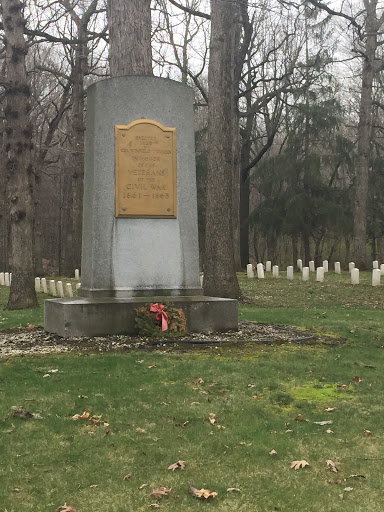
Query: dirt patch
x=36, y=341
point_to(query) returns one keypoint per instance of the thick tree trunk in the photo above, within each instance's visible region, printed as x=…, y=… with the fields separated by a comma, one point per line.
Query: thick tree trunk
x=364, y=137
x=130, y=37
x=18, y=163
x=219, y=267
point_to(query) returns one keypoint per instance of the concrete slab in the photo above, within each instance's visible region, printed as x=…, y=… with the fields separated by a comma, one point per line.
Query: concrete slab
x=104, y=316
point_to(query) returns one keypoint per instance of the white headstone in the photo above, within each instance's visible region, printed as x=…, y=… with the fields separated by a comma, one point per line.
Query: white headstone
x=7, y=280
x=52, y=288
x=351, y=265
x=69, y=290
x=268, y=266
x=44, y=285
x=382, y=269
x=337, y=267
x=290, y=272
x=375, y=264
x=325, y=265
x=201, y=279
x=305, y=273
x=10, y=278
x=250, y=273
x=355, y=276
x=2, y=281
x=320, y=274
x=311, y=266
x=376, y=274
x=300, y=264
x=77, y=274
x=37, y=284
x=260, y=271
x=275, y=271
x=60, y=289
x=78, y=286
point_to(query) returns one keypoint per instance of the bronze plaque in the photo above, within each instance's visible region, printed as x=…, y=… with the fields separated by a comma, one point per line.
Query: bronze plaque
x=146, y=170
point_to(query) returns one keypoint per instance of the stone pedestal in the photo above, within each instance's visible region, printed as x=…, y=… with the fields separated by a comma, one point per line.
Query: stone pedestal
x=128, y=259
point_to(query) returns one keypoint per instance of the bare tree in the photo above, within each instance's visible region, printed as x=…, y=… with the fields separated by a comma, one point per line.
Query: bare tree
x=130, y=37
x=18, y=146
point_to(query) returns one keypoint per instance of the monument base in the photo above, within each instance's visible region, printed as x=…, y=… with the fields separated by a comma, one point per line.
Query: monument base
x=106, y=316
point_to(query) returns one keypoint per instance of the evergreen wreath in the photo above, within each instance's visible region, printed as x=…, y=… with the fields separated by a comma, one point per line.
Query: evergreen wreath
x=148, y=325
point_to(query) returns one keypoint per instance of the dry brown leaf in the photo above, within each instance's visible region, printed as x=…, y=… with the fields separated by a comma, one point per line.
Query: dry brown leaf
x=367, y=433
x=154, y=505
x=233, y=489
x=85, y=416
x=335, y=481
x=244, y=443
x=199, y=381
x=152, y=366
x=222, y=391
x=332, y=466
x=94, y=486
x=356, y=476
x=257, y=396
x=299, y=464
x=180, y=464
x=160, y=492
x=299, y=417
x=212, y=418
x=142, y=486
x=329, y=409
x=357, y=379
x=66, y=508
x=201, y=493
x=329, y=431
x=128, y=476
x=273, y=453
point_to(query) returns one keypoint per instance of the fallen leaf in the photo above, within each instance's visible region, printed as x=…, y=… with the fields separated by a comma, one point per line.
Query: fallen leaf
x=222, y=391
x=201, y=493
x=257, y=396
x=367, y=433
x=85, y=416
x=288, y=430
x=152, y=366
x=128, y=476
x=244, y=443
x=341, y=496
x=31, y=326
x=199, y=381
x=154, y=505
x=212, y=418
x=21, y=412
x=332, y=466
x=251, y=385
x=329, y=431
x=360, y=363
x=356, y=476
x=66, y=508
x=180, y=464
x=273, y=453
x=141, y=430
x=82, y=396
x=297, y=464
x=94, y=486
x=233, y=489
x=329, y=422
x=220, y=427
x=344, y=386
x=160, y=492
x=16, y=489
x=299, y=417
x=335, y=481
x=371, y=384
x=195, y=403
x=46, y=375
x=140, y=361
x=142, y=486
x=329, y=409
x=348, y=489
x=357, y=379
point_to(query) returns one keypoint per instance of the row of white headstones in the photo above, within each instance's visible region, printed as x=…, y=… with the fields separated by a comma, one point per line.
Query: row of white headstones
x=377, y=271
x=47, y=286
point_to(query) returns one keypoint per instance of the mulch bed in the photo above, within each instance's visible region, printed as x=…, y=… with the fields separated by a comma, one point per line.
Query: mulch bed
x=36, y=341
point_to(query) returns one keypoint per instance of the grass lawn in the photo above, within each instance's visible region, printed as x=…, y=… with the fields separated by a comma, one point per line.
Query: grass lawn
x=153, y=409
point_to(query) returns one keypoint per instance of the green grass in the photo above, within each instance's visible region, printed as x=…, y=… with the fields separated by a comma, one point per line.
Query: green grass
x=158, y=412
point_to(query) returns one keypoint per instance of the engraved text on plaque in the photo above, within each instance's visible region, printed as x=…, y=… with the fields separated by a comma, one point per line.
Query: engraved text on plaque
x=146, y=170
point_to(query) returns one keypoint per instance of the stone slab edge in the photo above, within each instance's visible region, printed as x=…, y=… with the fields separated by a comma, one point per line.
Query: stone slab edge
x=100, y=317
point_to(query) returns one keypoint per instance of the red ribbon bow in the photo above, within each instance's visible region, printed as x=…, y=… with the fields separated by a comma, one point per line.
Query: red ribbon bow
x=161, y=315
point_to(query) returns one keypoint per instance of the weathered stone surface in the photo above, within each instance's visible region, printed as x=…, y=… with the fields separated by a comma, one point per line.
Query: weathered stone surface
x=98, y=317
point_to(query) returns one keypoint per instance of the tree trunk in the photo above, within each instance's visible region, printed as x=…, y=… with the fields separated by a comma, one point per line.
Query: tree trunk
x=130, y=37
x=18, y=164
x=364, y=137
x=219, y=267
